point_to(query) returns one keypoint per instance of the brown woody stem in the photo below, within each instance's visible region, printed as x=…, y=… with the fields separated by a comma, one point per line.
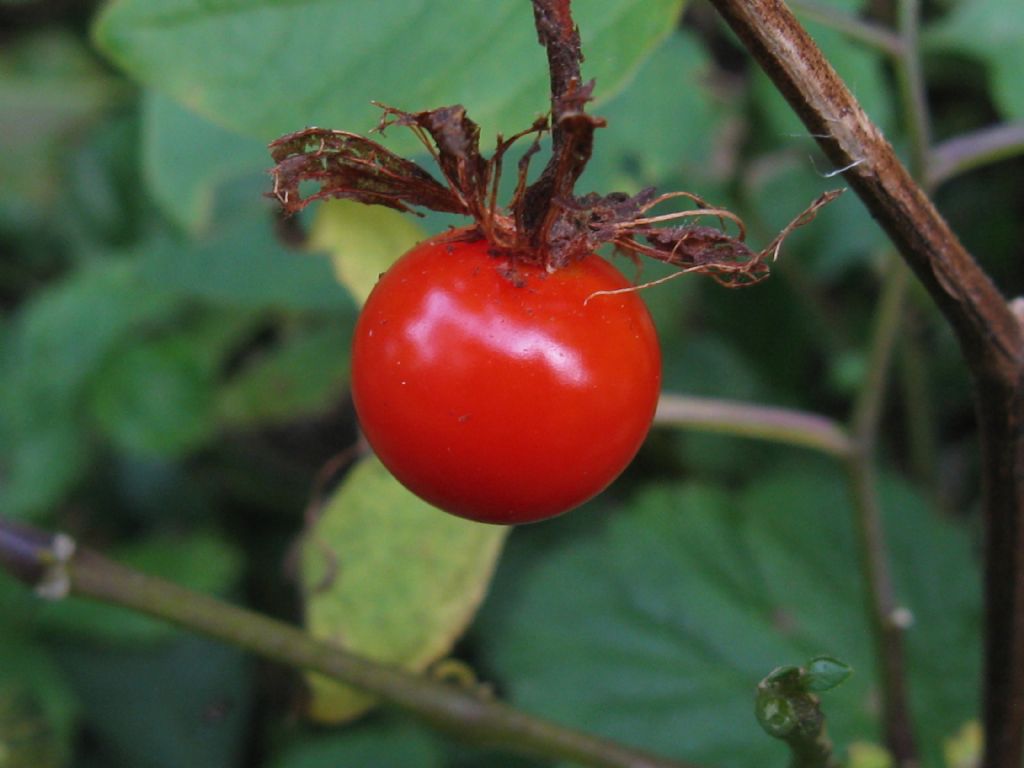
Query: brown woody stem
x=990, y=334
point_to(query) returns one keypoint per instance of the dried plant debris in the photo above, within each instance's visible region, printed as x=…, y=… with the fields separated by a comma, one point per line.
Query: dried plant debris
x=544, y=222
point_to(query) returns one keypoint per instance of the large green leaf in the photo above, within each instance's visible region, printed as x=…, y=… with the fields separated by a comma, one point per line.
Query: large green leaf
x=186, y=158
x=268, y=67
x=656, y=627
x=993, y=32
x=389, y=576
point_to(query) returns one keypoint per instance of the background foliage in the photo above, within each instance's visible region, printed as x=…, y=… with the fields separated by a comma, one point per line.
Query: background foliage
x=174, y=364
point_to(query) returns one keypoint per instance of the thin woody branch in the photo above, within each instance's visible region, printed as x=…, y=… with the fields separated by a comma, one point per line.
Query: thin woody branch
x=990, y=335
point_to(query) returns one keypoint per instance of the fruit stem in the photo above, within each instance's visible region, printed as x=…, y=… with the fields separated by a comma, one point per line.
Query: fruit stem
x=572, y=131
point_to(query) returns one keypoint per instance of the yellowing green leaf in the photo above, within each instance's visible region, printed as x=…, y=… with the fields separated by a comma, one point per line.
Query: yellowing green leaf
x=864, y=754
x=390, y=577
x=362, y=240
x=963, y=749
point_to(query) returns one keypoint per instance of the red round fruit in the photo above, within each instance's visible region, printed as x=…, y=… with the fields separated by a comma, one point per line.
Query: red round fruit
x=498, y=391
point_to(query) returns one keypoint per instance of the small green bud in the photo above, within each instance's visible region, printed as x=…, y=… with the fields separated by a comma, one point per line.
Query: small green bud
x=824, y=673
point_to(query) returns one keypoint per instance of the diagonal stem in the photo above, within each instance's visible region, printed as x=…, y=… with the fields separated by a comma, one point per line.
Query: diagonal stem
x=43, y=560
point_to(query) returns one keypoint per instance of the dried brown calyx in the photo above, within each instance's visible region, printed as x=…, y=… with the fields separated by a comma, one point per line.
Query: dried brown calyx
x=544, y=222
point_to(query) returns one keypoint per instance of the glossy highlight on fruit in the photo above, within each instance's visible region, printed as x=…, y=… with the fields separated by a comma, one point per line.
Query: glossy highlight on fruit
x=500, y=392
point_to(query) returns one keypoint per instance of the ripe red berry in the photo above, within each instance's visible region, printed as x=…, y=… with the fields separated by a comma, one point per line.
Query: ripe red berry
x=498, y=391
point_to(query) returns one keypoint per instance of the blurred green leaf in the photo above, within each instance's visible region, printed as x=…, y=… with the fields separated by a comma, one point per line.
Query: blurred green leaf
x=268, y=68
x=155, y=396
x=103, y=207
x=58, y=340
x=38, y=712
x=667, y=123
x=381, y=744
x=963, y=749
x=300, y=376
x=186, y=158
x=181, y=703
x=865, y=754
x=55, y=343
x=155, y=399
x=389, y=576
x=363, y=241
x=203, y=561
x=656, y=628
x=991, y=31
x=240, y=262
x=51, y=89
x=41, y=465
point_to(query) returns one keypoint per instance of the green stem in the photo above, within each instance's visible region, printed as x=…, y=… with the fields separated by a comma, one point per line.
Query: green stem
x=38, y=558
x=920, y=414
x=910, y=80
x=867, y=411
x=887, y=618
x=871, y=35
x=973, y=150
x=882, y=606
x=766, y=423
